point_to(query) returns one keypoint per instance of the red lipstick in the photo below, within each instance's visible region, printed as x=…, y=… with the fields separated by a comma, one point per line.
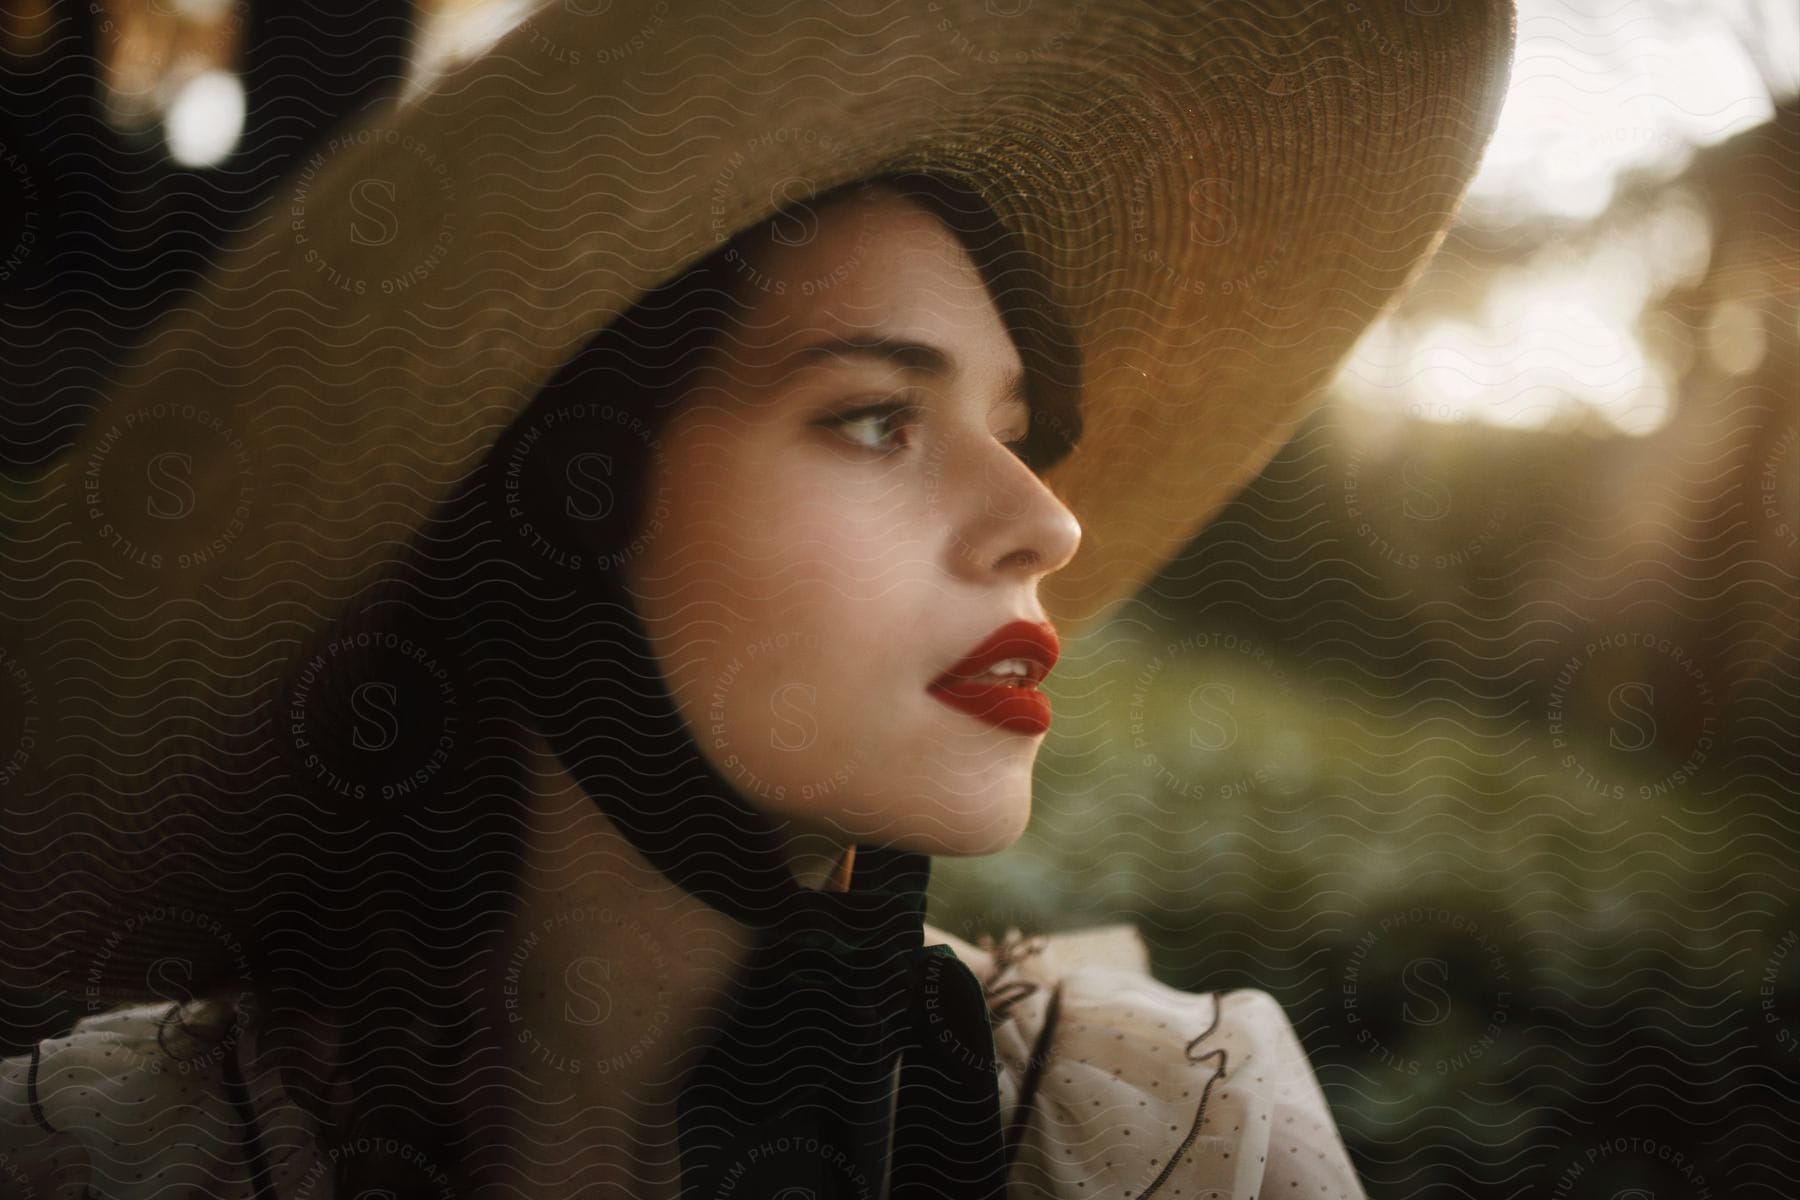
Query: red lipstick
x=1011, y=701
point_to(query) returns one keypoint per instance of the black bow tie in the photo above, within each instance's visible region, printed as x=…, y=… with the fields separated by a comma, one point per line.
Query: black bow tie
x=792, y=1098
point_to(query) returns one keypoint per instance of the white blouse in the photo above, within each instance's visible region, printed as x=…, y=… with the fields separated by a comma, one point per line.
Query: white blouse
x=1140, y=1091
x=1146, y=1090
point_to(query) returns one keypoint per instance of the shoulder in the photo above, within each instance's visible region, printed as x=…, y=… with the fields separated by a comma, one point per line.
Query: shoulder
x=1113, y=1077
x=155, y=1100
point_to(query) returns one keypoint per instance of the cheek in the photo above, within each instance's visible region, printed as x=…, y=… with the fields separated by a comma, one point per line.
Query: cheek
x=792, y=556
x=831, y=681
x=814, y=738
x=789, y=605
x=863, y=541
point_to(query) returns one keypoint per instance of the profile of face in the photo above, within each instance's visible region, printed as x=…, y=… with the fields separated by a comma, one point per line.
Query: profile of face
x=846, y=522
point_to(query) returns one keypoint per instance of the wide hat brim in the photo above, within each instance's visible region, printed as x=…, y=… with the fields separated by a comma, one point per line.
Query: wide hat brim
x=1223, y=200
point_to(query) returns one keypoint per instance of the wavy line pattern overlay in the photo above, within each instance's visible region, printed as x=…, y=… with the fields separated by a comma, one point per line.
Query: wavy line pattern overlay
x=469, y=553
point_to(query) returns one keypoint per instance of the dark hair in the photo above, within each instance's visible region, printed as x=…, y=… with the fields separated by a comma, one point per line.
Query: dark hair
x=383, y=940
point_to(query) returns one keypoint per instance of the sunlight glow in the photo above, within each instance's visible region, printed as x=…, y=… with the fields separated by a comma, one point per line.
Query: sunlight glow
x=1557, y=337
x=205, y=119
x=1735, y=338
x=1601, y=91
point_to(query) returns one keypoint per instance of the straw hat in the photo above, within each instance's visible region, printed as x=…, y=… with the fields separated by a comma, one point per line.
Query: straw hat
x=1221, y=201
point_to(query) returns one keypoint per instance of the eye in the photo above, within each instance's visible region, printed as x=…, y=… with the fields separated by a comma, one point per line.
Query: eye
x=885, y=419
x=880, y=418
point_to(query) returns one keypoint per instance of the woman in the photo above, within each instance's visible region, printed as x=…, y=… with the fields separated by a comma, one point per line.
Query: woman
x=542, y=793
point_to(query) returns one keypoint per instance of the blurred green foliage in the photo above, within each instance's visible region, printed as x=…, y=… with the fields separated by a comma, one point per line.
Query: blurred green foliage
x=1507, y=941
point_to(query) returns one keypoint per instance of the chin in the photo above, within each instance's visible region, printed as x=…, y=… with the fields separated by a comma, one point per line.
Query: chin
x=993, y=836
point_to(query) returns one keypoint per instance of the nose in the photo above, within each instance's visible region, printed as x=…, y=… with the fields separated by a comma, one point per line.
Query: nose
x=1011, y=523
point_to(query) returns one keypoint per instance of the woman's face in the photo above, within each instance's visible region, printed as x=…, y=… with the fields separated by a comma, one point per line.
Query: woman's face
x=819, y=567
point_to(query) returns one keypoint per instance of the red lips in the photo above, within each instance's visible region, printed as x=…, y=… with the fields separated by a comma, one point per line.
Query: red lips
x=1013, y=703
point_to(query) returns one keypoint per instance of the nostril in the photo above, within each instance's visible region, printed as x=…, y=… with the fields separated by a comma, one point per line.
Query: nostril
x=1019, y=558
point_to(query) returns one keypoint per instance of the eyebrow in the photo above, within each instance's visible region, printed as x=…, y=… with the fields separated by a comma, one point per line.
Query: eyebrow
x=920, y=357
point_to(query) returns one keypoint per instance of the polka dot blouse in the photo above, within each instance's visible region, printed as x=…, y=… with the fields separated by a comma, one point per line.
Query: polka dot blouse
x=1112, y=1085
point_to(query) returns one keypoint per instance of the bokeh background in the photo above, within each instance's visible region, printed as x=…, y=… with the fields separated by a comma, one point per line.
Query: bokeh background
x=1471, y=730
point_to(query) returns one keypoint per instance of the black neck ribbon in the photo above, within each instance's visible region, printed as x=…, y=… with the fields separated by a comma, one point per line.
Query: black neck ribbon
x=796, y=1087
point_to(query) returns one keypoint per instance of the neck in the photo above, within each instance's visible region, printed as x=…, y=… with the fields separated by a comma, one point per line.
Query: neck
x=608, y=975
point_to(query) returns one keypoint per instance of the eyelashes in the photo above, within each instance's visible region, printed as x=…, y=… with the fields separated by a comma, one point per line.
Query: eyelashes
x=878, y=416
x=887, y=418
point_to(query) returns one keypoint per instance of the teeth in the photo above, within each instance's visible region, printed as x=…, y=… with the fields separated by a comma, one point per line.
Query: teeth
x=1010, y=668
